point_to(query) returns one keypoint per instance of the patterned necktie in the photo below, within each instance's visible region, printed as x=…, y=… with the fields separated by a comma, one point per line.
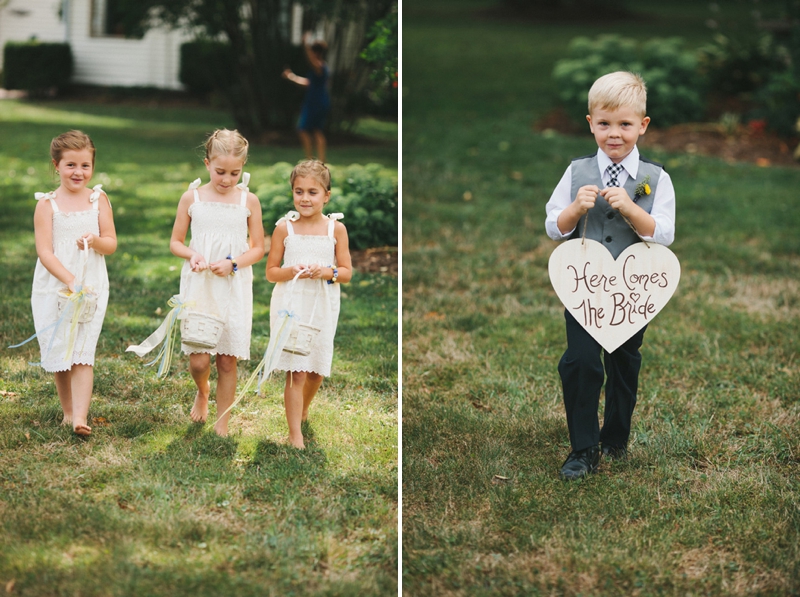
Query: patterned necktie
x=613, y=172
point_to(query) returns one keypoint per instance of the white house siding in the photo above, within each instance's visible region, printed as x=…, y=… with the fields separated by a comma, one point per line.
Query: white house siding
x=21, y=20
x=153, y=61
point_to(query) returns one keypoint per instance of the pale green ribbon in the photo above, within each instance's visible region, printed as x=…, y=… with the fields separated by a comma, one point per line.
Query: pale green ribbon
x=164, y=335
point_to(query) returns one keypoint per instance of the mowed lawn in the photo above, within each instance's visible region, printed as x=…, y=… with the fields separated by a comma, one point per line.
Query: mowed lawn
x=151, y=504
x=709, y=502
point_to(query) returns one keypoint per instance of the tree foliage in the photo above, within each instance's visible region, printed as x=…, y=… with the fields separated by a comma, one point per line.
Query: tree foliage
x=381, y=53
x=259, y=35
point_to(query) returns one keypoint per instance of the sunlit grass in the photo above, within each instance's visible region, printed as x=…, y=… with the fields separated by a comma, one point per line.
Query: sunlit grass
x=152, y=504
x=707, y=503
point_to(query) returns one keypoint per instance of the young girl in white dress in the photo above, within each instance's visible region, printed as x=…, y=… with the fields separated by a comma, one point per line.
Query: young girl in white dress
x=315, y=246
x=74, y=230
x=227, y=239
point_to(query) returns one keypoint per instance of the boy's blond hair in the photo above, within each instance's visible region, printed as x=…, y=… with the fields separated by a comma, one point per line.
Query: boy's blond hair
x=618, y=89
x=71, y=140
x=313, y=169
x=225, y=142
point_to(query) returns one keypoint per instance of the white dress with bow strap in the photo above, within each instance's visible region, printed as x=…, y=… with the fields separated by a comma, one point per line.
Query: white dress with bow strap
x=311, y=301
x=68, y=227
x=219, y=230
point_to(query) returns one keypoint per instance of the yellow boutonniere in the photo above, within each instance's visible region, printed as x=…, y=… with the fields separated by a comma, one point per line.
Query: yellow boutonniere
x=643, y=188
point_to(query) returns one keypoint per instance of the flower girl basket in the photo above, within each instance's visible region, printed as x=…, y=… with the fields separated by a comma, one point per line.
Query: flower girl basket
x=302, y=335
x=204, y=319
x=289, y=336
x=84, y=299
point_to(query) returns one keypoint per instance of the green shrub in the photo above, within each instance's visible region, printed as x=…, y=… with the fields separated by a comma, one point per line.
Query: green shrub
x=36, y=67
x=673, y=84
x=759, y=70
x=366, y=195
x=735, y=65
x=206, y=65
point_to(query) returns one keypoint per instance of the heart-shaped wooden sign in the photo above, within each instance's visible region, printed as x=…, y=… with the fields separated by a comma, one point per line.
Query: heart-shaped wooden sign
x=613, y=299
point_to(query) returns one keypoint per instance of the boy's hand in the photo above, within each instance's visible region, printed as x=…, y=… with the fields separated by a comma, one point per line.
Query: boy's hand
x=585, y=199
x=618, y=198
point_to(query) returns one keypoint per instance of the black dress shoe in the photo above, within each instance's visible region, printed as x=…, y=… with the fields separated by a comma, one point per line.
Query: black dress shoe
x=581, y=463
x=614, y=452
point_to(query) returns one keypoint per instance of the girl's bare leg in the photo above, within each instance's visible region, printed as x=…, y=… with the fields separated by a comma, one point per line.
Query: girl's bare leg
x=82, y=382
x=310, y=387
x=319, y=137
x=64, y=389
x=305, y=139
x=200, y=368
x=226, y=390
x=293, y=401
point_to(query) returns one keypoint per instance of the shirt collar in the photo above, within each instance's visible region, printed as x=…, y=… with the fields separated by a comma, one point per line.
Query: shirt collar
x=630, y=163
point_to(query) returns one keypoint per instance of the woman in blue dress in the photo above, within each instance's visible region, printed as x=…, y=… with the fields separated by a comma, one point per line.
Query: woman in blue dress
x=317, y=102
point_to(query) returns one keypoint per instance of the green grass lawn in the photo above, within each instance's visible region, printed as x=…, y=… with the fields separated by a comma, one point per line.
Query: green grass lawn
x=151, y=504
x=708, y=502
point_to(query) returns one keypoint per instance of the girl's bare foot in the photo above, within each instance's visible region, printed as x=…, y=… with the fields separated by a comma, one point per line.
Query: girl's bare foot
x=82, y=430
x=221, y=428
x=67, y=420
x=199, y=412
x=297, y=443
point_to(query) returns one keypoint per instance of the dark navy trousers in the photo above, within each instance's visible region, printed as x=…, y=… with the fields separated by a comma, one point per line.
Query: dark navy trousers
x=582, y=375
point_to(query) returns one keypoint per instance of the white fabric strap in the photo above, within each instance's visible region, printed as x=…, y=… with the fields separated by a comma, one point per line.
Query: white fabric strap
x=97, y=190
x=245, y=189
x=51, y=196
x=291, y=216
x=333, y=217
x=193, y=187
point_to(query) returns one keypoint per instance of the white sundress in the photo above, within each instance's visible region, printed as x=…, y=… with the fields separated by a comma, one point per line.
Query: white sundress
x=68, y=227
x=219, y=230
x=302, y=249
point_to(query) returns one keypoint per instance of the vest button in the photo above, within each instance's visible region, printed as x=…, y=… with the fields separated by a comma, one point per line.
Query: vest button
x=611, y=216
x=608, y=239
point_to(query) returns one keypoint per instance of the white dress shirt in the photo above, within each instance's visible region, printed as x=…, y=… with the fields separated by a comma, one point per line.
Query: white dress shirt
x=663, y=210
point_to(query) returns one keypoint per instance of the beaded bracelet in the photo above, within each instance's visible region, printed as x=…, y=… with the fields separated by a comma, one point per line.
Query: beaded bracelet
x=335, y=275
x=235, y=265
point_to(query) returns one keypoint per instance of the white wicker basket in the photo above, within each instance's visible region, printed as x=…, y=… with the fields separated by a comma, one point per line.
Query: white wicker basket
x=201, y=329
x=86, y=306
x=301, y=338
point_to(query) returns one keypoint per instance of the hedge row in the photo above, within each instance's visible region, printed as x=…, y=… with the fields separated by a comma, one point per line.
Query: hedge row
x=36, y=67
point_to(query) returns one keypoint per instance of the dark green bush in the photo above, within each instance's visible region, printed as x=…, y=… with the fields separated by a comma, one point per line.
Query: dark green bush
x=674, y=89
x=206, y=66
x=36, y=67
x=366, y=195
x=759, y=70
x=741, y=64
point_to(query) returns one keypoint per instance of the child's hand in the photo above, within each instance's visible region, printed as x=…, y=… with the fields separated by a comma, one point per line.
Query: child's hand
x=586, y=197
x=71, y=285
x=618, y=198
x=315, y=271
x=197, y=263
x=300, y=269
x=222, y=268
x=89, y=238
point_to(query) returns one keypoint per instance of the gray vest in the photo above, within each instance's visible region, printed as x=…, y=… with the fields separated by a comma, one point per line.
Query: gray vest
x=605, y=224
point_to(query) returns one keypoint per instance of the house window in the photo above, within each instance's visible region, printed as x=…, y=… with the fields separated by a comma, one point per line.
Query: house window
x=116, y=18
